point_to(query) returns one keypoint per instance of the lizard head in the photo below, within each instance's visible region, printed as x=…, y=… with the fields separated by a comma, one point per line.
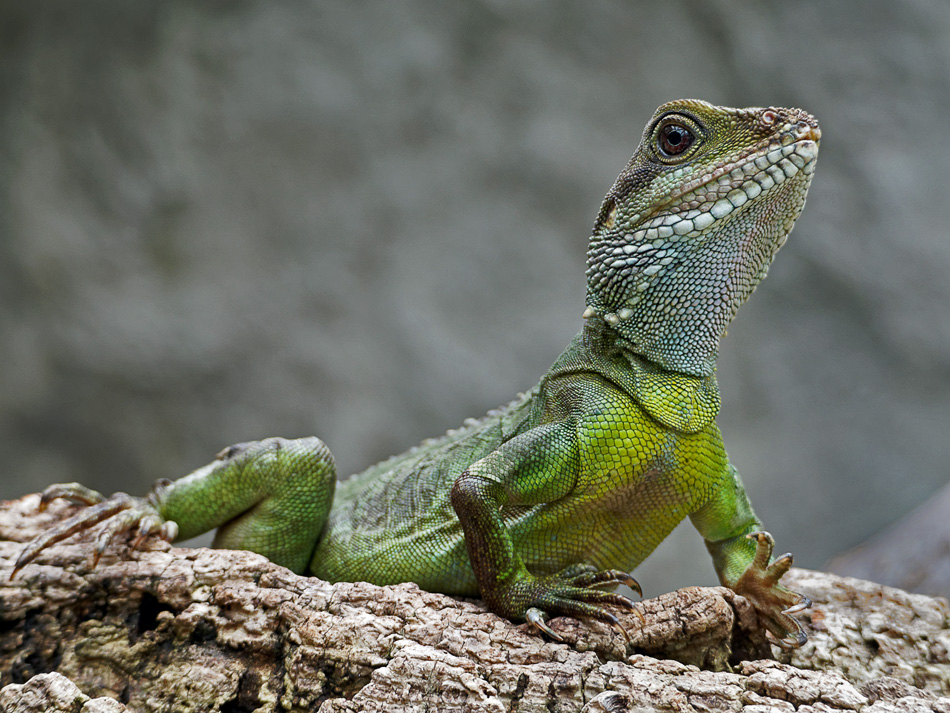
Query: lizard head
x=691, y=225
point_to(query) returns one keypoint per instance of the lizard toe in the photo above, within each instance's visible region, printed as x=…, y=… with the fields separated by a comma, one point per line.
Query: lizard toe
x=120, y=512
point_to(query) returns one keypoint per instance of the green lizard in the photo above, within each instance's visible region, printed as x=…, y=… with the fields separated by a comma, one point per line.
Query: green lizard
x=543, y=505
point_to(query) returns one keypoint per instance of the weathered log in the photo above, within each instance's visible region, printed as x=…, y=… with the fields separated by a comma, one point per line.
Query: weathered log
x=212, y=630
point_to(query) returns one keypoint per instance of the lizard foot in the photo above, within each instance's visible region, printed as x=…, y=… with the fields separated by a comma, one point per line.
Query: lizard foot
x=774, y=603
x=575, y=591
x=121, y=513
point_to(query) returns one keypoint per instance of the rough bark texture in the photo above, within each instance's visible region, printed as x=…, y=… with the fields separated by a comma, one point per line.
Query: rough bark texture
x=200, y=630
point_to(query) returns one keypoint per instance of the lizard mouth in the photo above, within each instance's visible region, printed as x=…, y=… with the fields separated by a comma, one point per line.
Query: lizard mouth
x=781, y=157
x=722, y=192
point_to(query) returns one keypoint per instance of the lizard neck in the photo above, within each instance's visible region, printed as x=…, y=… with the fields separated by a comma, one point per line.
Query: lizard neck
x=683, y=402
x=607, y=340
x=675, y=310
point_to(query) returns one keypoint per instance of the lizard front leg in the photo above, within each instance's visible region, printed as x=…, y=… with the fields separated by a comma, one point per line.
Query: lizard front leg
x=271, y=497
x=742, y=556
x=536, y=467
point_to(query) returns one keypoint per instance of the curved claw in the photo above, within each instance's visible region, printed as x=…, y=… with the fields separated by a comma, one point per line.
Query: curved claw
x=576, y=591
x=535, y=617
x=627, y=579
x=792, y=640
x=797, y=636
x=780, y=566
x=632, y=583
x=618, y=627
x=607, y=578
x=595, y=596
x=804, y=604
x=149, y=524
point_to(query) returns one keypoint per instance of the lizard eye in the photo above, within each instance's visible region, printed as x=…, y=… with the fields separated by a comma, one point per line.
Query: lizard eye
x=674, y=139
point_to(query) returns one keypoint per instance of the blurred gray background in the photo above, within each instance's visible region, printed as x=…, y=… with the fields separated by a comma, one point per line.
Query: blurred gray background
x=368, y=221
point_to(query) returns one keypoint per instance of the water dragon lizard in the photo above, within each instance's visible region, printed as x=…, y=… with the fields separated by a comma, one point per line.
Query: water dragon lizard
x=544, y=506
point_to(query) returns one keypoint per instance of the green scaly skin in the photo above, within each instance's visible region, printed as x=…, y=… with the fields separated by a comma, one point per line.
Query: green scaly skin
x=543, y=504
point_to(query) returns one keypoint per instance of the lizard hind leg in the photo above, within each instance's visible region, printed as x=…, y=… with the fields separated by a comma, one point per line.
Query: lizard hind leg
x=272, y=497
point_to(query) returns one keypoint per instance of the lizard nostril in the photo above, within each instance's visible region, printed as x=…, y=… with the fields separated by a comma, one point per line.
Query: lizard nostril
x=809, y=130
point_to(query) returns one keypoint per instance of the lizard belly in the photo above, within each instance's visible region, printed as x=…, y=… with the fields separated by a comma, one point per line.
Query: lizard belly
x=617, y=532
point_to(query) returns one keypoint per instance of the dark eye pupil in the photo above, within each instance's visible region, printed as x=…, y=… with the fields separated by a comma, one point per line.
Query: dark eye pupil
x=675, y=139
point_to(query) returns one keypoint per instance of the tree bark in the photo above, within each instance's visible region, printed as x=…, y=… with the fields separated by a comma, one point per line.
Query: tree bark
x=169, y=629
